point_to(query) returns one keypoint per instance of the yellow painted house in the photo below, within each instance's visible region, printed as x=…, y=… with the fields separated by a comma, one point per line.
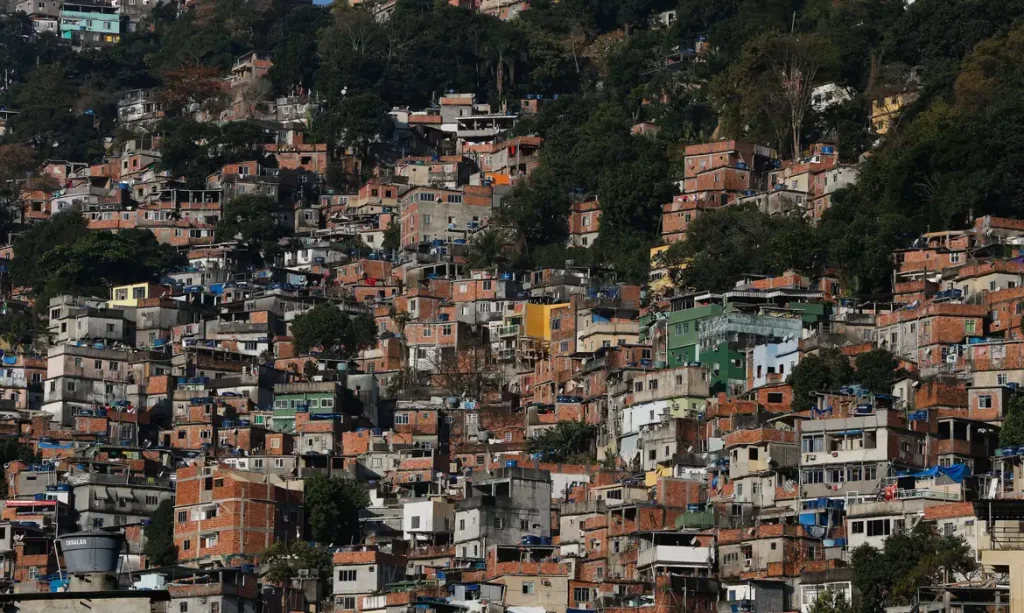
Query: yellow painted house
x=129, y=295
x=538, y=319
x=659, y=278
x=885, y=111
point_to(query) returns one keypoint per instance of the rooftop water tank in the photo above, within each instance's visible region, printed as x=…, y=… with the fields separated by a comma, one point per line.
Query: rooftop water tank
x=91, y=552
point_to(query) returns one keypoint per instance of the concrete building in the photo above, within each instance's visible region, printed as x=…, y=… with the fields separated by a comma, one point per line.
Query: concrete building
x=501, y=508
x=81, y=377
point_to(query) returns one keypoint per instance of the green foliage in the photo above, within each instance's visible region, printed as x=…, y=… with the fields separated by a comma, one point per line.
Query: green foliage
x=878, y=370
x=326, y=330
x=723, y=245
x=283, y=562
x=890, y=576
x=487, y=249
x=567, y=441
x=357, y=120
x=254, y=219
x=831, y=601
x=1012, y=432
x=765, y=95
x=160, y=549
x=826, y=371
x=13, y=451
x=20, y=329
x=392, y=236
x=63, y=228
x=294, y=43
x=332, y=508
x=53, y=118
x=196, y=150
x=99, y=260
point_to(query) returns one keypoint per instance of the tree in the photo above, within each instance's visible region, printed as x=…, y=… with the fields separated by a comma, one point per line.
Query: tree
x=568, y=441
x=52, y=119
x=831, y=601
x=160, y=549
x=30, y=246
x=825, y=372
x=190, y=85
x=723, y=245
x=890, y=577
x=254, y=219
x=1012, y=432
x=99, y=260
x=332, y=507
x=19, y=328
x=358, y=120
x=392, y=237
x=877, y=370
x=767, y=90
x=465, y=370
x=284, y=561
x=326, y=330
x=13, y=451
x=487, y=249
x=16, y=164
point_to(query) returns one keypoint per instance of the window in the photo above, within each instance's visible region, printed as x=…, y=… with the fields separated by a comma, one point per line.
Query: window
x=878, y=527
x=528, y=587
x=348, y=602
x=186, y=544
x=774, y=397
x=753, y=453
x=985, y=401
x=480, y=459
x=581, y=594
x=813, y=443
x=183, y=607
x=182, y=517
x=112, y=365
x=652, y=384
x=812, y=475
x=462, y=526
x=969, y=326
x=1001, y=379
x=857, y=527
x=401, y=418
x=346, y=575
x=415, y=522
x=508, y=437
x=499, y=523
x=152, y=500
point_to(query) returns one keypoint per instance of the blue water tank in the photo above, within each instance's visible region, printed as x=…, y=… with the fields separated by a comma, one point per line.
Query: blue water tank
x=511, y=463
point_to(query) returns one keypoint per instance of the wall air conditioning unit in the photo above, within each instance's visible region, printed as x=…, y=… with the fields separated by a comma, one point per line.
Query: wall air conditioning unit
x=746, y=564
x=811, y=457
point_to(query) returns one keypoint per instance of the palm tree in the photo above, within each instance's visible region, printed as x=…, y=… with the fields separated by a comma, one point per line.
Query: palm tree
x=487, y=249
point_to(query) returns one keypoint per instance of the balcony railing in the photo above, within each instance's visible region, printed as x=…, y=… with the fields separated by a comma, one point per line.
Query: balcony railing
x=511, y=330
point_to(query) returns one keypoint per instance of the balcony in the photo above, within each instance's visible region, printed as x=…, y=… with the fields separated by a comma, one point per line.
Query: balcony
x=672, y=555
x=506, y=331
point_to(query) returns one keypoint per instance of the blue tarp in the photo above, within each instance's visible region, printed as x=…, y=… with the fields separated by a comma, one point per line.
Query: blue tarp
x=956, y=472
x=51, y=445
